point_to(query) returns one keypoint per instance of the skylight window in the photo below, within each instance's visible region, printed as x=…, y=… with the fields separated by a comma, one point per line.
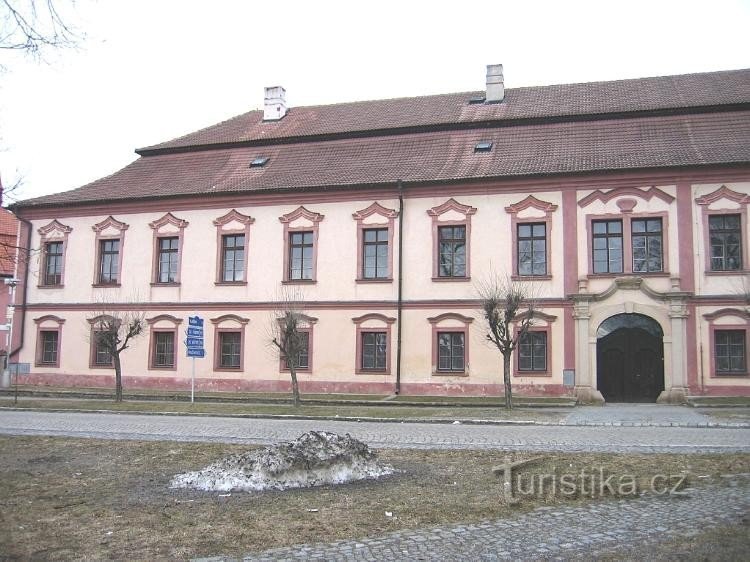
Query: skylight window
x=483, y=146
x=476, y=100
x=259, y=162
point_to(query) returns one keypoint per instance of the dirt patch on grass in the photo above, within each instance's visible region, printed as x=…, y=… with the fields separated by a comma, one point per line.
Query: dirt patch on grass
x=64, y=498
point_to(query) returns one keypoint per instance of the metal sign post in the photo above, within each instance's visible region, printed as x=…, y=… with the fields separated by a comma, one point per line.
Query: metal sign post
x=194, y=346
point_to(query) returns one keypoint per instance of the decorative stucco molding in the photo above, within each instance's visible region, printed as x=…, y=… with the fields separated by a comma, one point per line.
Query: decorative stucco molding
x=301, y=212
x=164, y=317
x=530, y=201
x=54, y=226
x=452, y=205
x=536, y=315
x=373, y=316
x=727, y=312
x=723, y=193
x=169, y=218
x=230, y=318
x=645, y=194
x=450, y=316
x=112, y=222
x=49, y=318
x=375, y=208
x=232, y=216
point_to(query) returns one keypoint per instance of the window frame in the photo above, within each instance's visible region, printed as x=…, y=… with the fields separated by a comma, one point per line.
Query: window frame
x=224, y=249
x=372, y=323
x=532, y=238
x=542, y=214
x=227, y=225
x=450, y=206
x=715, y=332
x=627, y=217
x=454, y=242
x=454, y=323
x=374, y=217
x=546, y=330
x=709, y=248
x=229, y=323
x=169, y=252
x=47, y=254
x=741, y=202
x=52, y=233
x=292, y=245
x=311, y=222
x=94, y=352
x=219, y=355
x=306, y=368
x=648, y=236
x=108, y=225
x=48, y=324
x=163, y=323
x=167, y=226
x=452, y=334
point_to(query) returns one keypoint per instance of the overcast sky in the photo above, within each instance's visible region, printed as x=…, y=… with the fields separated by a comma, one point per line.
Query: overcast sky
x=151, y=70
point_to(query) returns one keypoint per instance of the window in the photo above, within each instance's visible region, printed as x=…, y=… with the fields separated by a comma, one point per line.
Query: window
x=607, y=243
x=49, y=347
x=532, y=249
x=646, y=241
x=374, y=351
x=163, y=349
x=230, y=350
x=102, y=356
x=452, y=251
x=301, y=255
x=53, y=261
x=303, y=361
x=109, y=262
x=375, y=253
x=730, y=352
x=168, y=259
x=451, y=351
x=233, y=257
x=532, y=352
x=725, y=239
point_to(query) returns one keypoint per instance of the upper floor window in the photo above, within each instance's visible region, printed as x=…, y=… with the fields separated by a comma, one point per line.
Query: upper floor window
x=375, y=253
x=532, y=352
x=301, y=255
x=452, y=251
x=532, y=248
x=607, y=246
x=730, y=353
x=168, y=259
x=726, y=242
x=233, y=257
x=646, y=240
x=109, y=261
x=53, y=263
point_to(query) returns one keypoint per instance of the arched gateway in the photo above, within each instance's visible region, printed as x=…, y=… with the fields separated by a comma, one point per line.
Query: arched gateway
x=630, y=358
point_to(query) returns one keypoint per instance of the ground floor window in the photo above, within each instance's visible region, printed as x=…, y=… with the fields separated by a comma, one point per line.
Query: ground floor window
x=230, y=350
x=532, y=352
x=163, y=349
x=49, y=342
x=374, y=351
x=730, y=352
x=303, y=359
x=451, y=350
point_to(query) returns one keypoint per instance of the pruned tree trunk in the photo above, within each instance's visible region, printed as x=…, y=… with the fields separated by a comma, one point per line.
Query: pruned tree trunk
x=506, y=381
x=295, y=386
x=118, y=378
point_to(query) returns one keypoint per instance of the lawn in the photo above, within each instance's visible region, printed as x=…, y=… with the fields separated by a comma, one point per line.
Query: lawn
x=66, y=498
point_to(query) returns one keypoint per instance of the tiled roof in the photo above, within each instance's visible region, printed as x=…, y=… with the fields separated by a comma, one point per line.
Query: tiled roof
x=555, y=148
x=8, y=251
x=541, y=102
x=689, y=120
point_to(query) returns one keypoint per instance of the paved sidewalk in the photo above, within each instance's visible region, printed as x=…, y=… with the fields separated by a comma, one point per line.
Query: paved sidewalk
x=380, y=435
x=619, y=528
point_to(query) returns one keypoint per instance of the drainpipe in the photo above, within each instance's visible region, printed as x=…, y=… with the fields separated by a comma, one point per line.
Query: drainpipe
x=27, y=259
x=400, y=283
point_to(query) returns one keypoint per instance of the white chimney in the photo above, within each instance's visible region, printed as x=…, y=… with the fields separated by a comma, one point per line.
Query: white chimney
x=495, y=84
x=274, y=103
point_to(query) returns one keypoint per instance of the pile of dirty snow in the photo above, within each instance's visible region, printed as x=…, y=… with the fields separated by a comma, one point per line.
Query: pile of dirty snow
x=315, y=458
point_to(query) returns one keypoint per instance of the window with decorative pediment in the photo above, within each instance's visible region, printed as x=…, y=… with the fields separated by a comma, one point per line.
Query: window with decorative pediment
x=730, y=339
x=300, y=245
x=531, y=224
x=110, y=241
x=168, y=248
x=48, y=340
x=53, y=242
x=373, y=353
x=232, y=240
x=631, y=241
x=229, y=342
x=451, y=241
x=724, y=231
x=164, y=342
x=375, y=243
x=450, y=344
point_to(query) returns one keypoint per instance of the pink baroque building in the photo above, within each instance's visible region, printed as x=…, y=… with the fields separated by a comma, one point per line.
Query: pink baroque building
x=625, y=205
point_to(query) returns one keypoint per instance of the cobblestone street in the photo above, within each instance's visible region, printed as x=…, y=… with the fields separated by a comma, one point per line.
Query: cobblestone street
x=602, y=527
x=382, y=435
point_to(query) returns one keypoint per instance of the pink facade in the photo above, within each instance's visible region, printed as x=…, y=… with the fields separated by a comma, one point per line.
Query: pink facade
x=637, y=251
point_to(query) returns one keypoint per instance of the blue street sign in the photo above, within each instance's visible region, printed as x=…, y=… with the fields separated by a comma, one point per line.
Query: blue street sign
x=195, y=321
x=196, y=352
x=194, y=342
x=195, y=332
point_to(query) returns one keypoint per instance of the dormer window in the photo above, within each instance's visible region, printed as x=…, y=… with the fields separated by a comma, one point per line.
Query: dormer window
x=476, y=100
x=483, y=146
x=259, y=162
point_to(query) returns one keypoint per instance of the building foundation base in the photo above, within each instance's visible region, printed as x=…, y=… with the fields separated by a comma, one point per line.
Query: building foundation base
x=588, y=395
x=675, y=395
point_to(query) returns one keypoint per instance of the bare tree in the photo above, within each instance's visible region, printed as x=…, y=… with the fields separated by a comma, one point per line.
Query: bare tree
x=508, y=310
x=288, y=335
x=32, y=26
x=112, y=332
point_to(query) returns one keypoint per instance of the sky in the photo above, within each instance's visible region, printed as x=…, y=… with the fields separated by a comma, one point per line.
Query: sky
x=146, y=71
